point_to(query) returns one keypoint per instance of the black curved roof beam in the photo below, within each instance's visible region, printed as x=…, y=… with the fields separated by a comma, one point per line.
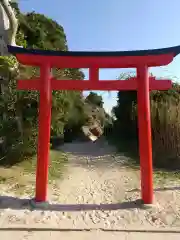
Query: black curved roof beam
x=171, y=50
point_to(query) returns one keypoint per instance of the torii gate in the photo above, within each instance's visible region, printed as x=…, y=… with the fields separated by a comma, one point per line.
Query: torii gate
x=141, y=60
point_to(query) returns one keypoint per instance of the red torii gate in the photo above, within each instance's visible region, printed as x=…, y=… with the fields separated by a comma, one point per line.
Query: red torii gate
x=141, y=60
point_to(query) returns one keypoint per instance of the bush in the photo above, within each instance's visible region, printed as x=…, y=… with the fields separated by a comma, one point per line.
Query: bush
x=165, y=123
x=166, y=133
x=19, y=124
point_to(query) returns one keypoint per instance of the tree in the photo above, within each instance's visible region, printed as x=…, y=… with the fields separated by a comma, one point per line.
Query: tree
x=95, y=99
x=36, y=31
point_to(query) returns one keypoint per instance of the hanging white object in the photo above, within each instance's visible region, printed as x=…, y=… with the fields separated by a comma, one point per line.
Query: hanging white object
x=88, y=134
x=8, y=27
x=4, y=26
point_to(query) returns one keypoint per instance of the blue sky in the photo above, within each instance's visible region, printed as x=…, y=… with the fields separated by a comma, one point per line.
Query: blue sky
x=116, y=25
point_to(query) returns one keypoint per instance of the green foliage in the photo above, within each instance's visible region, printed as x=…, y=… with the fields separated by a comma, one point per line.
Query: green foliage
x=20, y=108
x=95, y=99
x=124, y=112
x=42, y=32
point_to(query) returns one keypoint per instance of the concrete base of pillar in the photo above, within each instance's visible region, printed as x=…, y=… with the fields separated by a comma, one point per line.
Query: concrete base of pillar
x=38, y=205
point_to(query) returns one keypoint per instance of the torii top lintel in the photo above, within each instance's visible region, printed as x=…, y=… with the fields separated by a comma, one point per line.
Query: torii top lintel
x=81, y=59
x=94, y=61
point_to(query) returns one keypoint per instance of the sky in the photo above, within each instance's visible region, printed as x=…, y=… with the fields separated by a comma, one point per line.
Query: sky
x=116, y=25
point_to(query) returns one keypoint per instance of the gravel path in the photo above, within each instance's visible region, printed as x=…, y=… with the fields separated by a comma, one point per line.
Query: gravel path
x=97, y=192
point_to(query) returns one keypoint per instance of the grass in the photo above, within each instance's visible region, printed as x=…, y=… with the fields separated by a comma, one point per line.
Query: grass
x=130, y=150
x=21, y=178
x=57, y=163
x=162, y=176
x=2, y=179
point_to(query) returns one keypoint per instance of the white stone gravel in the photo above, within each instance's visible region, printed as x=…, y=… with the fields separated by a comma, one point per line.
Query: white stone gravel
x=103, y=180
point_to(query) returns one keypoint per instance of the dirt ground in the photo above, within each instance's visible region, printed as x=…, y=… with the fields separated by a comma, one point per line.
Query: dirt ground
x=98, y=197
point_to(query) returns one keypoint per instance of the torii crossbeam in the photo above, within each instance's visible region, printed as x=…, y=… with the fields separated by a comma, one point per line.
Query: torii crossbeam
x=141, y=60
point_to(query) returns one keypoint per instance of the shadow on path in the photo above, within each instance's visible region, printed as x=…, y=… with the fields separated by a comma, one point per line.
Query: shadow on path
x=95, y=154
x=17, y=204
x=88, y=149
x=55, y=229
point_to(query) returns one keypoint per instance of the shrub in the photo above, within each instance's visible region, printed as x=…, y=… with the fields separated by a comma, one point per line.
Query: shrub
x=165, y=117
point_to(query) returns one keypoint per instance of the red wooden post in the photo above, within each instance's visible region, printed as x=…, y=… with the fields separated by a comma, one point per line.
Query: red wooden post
x=44, y=133
x=144, y=125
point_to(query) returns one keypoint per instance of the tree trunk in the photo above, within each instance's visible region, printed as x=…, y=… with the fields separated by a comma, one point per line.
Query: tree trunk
x=9, y=18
